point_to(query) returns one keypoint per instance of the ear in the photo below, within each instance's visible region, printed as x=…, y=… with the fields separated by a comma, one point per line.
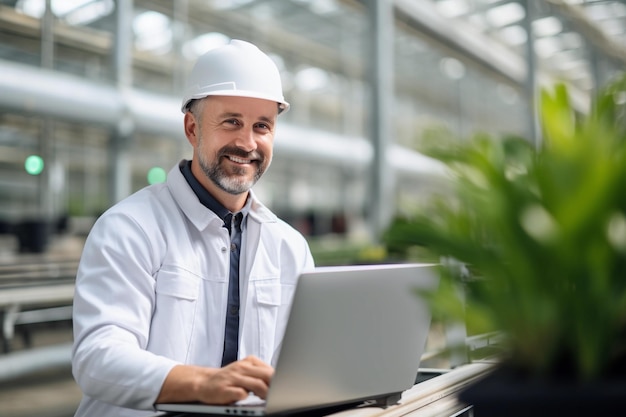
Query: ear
x=191, y=128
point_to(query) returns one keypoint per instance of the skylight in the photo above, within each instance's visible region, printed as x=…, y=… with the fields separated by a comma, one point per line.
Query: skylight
x=547, y=26
x=153, y=32
x=203, y=43
x=73, y=12
x=505, y=14
x=311, y=78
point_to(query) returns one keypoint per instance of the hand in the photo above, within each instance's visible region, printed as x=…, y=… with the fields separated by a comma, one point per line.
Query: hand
x=236, y=380
x=217, y=386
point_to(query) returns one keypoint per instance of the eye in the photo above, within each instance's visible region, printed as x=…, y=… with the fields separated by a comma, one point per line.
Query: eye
x=262, y=126
x=234, y=122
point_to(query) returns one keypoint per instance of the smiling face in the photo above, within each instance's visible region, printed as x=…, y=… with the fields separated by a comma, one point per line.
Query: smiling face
x=232, y=139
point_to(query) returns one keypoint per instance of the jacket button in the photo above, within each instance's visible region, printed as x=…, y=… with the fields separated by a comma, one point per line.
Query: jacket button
x=224, y=249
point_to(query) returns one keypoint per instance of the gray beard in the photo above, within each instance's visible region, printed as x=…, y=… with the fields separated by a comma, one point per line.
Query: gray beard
x=234, y=185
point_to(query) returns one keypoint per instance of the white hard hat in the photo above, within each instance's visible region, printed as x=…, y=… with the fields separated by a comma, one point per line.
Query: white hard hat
x=236, y=69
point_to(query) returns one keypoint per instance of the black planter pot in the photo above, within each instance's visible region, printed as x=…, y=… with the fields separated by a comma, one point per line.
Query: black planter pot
x=505, y=393
x=33, y=235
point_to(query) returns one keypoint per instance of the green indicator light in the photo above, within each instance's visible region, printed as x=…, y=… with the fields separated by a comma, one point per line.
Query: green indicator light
x=33, y=164
x=156, y=175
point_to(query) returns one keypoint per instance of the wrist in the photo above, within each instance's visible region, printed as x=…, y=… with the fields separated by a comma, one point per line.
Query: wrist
x=184, y=384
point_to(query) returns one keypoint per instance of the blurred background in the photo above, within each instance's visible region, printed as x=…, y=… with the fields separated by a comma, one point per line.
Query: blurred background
x=90, y=92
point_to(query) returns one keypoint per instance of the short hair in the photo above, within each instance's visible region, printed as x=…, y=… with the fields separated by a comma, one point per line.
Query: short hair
x=196, y=106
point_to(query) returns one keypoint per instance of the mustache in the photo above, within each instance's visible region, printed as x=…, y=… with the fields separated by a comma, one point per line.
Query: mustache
x=238, y=152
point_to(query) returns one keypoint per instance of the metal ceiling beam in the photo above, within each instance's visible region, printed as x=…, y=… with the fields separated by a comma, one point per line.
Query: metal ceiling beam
x=590, y=29
x=462, y=37
x=468, y=42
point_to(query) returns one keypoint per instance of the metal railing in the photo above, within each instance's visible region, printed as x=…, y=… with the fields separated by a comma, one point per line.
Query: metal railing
x=35, y=290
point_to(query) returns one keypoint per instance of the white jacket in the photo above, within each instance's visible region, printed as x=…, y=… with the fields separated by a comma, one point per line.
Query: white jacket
x=152, y=288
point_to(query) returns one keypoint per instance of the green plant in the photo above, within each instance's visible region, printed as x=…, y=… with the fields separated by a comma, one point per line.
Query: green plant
x=543, y=231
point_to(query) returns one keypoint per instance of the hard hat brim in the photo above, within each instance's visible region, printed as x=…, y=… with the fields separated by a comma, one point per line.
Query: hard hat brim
x=282, y=104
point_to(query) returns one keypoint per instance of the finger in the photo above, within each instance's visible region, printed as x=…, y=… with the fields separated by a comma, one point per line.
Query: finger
x=262, y=373
x=254, y=360
x=245, y=367
x=242, y=374
x=225, y=395
x=256, y=385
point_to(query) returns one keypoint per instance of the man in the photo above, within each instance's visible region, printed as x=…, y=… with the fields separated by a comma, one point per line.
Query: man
x=184, y=288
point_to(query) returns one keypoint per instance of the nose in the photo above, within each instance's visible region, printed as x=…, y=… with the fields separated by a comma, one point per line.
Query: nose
x=246, y=139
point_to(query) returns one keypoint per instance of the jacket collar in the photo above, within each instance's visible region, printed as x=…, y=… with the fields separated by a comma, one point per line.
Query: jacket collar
x=197, y=213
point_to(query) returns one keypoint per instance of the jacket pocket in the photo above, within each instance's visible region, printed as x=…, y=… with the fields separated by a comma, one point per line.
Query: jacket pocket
x=178, y=284
x=173, y=320
x=268, y=293
x=274, y=302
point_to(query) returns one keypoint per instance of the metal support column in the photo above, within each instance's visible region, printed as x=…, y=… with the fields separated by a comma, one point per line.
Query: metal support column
x=46, y=137
x=531, y=83
x=594, y=64
x=119, y=161
x=381, y=56
x=181, y=13
x=600, y=67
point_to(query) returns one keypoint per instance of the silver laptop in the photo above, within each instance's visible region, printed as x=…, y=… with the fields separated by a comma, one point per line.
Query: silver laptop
x=355, y=335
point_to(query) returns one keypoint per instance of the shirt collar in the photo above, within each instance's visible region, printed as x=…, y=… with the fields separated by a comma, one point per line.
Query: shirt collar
x=207, y=199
